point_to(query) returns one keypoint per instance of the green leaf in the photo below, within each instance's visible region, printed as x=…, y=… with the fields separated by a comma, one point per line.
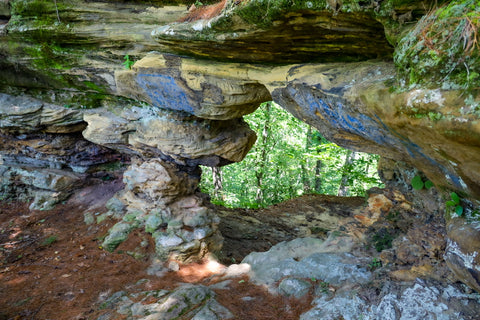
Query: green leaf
x=450, y=203
x=428, y=184
x=417, y=183
x=459, y=210
x=128, y=63
x=455, y=197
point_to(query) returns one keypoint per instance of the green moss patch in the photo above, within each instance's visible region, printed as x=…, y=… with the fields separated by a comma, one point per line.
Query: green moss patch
x=443, y=49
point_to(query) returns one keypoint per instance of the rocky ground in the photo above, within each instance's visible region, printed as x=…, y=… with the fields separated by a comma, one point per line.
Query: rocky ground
x=52, y=267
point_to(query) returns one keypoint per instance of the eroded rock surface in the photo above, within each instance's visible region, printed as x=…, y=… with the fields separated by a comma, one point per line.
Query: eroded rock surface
x=196, y=302
x=177, y=137
x=161, y=198
x=42, y=155
x=344, y=286
x=206, y=89
x=50, y=50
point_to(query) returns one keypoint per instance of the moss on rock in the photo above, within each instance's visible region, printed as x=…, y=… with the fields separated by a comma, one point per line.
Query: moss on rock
x=443, y=49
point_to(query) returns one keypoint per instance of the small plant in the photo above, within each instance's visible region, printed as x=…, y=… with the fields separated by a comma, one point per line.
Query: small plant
x=455, y=203
x=198, y=4
x=382, y=240
x=48, y=241
x=128, y=63
x=392, y=216
x=418, y=183
x=375, y=264
x=324, y=287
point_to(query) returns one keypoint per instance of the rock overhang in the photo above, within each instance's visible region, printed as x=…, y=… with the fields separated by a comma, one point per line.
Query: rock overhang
x=353, y=103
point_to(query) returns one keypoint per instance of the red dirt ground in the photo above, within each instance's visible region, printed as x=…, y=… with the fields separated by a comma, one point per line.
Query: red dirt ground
x=51, y=266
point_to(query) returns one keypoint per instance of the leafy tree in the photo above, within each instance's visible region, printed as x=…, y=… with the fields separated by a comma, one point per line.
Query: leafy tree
x=289, y=159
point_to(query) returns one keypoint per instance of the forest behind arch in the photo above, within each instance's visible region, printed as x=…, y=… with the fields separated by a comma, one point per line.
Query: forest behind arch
x=289, y=159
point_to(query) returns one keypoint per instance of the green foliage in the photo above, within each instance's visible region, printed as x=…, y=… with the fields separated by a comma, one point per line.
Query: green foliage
x=128, y=63
x=48, y=241
x=428, y=184
x=298, y=160
x=325, y=287
x=32, y=7
x=264, y=12
x=443, y=49
x=383, y=239
x=418, y=183
x=375, y=264
x=454, y=203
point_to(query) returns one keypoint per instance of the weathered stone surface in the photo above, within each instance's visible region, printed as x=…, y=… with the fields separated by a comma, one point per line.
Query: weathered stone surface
x=180, y=84
x=249, y=31
x=343, y=289
x=358, y=105
x=306, y=258
x=294, y=287
x=420, y=301
x=23, y=114
x=43, y=155
x=462, y=252
x=188, y=301
x=161, y=198
x=57, y=151
x=67, y=67
x=179, y=137
x=156, y=183
x=423, y=127
x=420, y=126
x=116, y=235
x=45, y=187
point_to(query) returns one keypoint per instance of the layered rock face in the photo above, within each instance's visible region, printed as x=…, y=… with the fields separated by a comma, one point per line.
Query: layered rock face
x=43, y=155
x=171, y=113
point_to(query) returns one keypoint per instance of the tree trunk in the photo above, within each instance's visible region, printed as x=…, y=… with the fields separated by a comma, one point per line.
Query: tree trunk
x=260, y=173
x=305, y=177
x=343, y=189
x=318, y=177
x=217, y=182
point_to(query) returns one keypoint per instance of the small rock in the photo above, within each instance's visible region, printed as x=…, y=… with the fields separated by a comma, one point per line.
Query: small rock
x=248, y=298
x=221, y=285
x=152, y=222
x=294, y=287
x=237, y=270
x=116, y=235
x=88, y=218
x=173, y=266
x=157, y=268
x=167, y=240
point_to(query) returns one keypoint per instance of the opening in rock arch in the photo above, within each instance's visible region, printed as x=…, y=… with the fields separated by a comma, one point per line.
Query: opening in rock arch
x=289, y=159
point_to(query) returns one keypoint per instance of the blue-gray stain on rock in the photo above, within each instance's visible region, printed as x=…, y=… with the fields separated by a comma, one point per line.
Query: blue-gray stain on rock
x=341, y=117
x=164, y=92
